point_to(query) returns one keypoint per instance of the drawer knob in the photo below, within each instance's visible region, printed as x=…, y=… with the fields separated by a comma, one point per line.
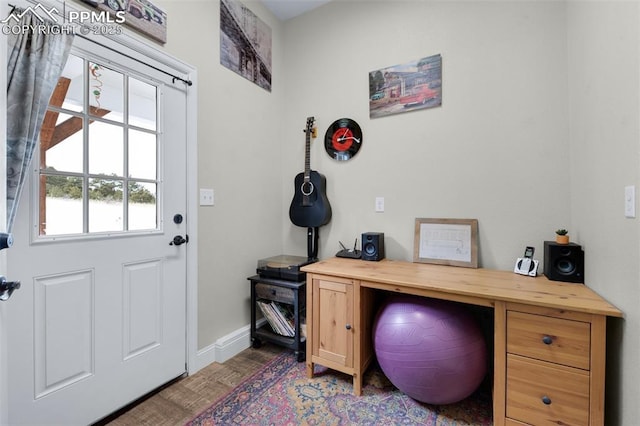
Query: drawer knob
x=546, y=400
x=348, y=326
x=273, y=292
x=547, y=340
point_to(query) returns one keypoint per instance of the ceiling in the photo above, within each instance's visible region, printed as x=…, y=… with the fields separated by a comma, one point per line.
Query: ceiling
x=287, y=9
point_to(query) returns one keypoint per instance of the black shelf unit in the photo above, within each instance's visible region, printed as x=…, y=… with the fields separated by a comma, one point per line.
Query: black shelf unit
x=281, y=291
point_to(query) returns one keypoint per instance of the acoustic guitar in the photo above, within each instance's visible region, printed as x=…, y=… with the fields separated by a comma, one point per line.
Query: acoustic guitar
x=310, y=206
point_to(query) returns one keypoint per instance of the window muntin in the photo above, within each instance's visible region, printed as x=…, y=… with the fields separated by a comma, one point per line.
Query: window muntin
x=99, y=136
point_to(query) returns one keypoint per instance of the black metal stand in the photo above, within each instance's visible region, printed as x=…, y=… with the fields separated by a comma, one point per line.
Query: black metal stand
x=290, y=292
x=312, y=243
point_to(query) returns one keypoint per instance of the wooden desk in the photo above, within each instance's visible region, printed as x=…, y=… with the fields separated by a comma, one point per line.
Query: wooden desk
x=549, y=337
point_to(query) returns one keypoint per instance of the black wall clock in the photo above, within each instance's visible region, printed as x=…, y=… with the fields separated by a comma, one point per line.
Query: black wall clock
x=343, y=139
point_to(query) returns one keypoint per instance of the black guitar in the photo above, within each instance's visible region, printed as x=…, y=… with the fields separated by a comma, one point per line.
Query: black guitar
x=310, y=206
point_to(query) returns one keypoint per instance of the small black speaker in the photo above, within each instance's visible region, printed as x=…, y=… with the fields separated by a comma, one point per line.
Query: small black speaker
x=564, y=262
x=373, y=246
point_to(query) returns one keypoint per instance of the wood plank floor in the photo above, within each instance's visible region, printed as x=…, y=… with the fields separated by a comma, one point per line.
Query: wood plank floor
x=179, y=402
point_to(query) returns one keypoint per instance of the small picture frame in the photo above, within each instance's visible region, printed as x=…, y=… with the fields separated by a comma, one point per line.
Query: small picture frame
x=452, y=242
x=142, y=15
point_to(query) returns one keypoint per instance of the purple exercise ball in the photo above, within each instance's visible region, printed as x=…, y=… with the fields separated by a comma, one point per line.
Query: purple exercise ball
x=432, y=350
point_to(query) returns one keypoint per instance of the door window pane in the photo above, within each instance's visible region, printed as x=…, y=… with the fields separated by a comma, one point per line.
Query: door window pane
x=106, y=211
x=142, y=154
x=142, y=104
x=62, y=210
x=61, y=146
x=106, y=93
x=69, y=90
x=142, y=206
x=106, y=149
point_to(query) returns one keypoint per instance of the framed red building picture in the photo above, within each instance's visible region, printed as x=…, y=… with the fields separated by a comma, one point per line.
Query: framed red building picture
x=407, y=87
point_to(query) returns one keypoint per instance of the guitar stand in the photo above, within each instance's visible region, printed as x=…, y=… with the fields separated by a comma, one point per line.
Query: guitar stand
x=312, y=243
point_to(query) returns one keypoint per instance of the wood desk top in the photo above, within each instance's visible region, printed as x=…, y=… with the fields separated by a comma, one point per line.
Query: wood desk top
x=486, y=284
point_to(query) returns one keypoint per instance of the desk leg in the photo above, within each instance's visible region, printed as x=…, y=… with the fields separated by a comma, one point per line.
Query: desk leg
x=310, y=326
x=598, y=364
x=357, y=384
x=500, y=364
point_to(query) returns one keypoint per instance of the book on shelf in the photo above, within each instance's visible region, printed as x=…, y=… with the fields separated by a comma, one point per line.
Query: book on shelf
x=279, y=316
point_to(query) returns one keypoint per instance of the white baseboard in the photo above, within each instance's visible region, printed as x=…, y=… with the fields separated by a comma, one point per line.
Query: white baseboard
x=224, y=348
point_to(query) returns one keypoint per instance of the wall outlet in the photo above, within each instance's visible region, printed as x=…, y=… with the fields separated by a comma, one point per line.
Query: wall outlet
x=379, y=204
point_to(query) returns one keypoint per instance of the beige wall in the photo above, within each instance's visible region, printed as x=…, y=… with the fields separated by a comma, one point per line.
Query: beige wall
x=538, y=129
x=239, y=132
x=604, y=69
x=495, y=151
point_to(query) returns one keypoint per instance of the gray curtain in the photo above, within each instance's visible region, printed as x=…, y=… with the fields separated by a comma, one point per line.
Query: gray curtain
x=35, y=60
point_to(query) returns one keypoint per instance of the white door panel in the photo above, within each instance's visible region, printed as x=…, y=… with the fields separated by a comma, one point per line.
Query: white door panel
x=99, y=322
x=63, y=337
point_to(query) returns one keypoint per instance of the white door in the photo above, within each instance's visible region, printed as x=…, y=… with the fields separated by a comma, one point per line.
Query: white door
x=100, y=318
x=3, y=264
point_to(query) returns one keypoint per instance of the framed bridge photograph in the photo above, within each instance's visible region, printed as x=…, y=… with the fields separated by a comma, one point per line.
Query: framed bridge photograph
x=245, y=43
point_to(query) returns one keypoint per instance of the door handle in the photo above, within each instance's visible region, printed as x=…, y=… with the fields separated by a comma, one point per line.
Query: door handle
x=6, y=240
x=7, y=288
x=178, y=240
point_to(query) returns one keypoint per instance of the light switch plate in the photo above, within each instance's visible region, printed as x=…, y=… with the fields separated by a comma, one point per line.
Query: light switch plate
x=630, y=201
x=206, y=197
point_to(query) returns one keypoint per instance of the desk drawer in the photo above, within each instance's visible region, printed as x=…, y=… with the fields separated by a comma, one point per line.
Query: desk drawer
x=542, y=393
x=273, y=292
x=551, y=339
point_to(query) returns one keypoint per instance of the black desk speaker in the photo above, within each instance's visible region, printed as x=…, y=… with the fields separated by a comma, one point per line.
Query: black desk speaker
x=564, y=262
x=373, y=246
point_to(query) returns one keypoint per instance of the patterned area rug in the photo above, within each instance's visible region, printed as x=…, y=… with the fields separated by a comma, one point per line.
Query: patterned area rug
x=281, y=394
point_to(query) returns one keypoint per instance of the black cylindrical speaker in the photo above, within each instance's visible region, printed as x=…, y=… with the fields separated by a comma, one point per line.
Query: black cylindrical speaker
x=373, y=246
x=564, y=262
